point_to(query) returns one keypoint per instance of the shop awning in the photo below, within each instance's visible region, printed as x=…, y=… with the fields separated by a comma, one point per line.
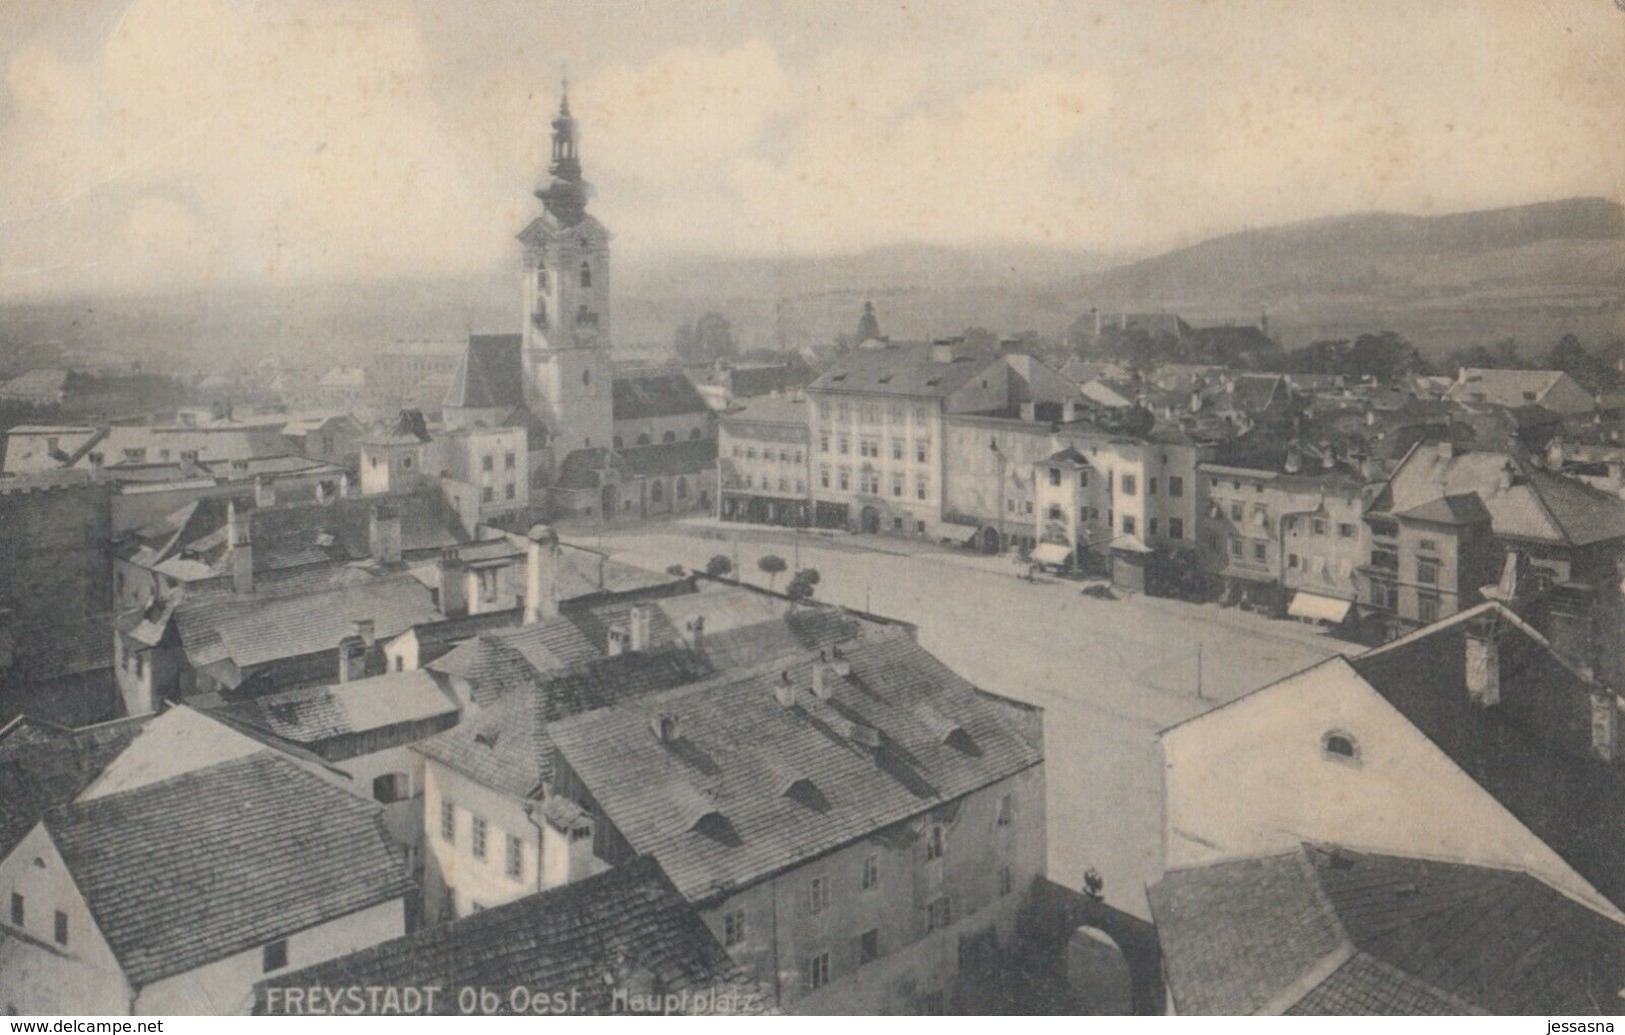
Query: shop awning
x=1319, y=608
x=1051, y=553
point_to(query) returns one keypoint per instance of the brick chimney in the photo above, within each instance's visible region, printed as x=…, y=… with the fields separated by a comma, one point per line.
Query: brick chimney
x=453, y=583
x=240, y=550
x=367, y=630
x=384, y=535
x=541, y=574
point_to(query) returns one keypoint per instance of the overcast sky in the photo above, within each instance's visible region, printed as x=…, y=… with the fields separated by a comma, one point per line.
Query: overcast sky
x=152, y=144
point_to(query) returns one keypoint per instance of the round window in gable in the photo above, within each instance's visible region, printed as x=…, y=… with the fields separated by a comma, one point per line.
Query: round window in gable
x=1340, y=746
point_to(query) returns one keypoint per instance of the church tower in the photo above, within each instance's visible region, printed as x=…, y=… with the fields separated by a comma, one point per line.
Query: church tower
x=564, y=285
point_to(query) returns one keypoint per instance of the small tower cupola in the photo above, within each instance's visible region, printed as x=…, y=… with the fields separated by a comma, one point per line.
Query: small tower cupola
x=566, y=195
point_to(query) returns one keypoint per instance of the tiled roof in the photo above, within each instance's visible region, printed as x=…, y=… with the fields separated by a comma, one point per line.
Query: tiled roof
x=44, y=765
x=778, y=409
x=906, y=370
x=312, y=714
x=1321, y=930
x=1531, y=751
x=498, y=660
x=646, y=396
x=580, y=938
x=491, y=375
x=1531, y=504
x=221, y=860
x=710, y=805
x=666, y=459
x=1462, y=509
x=1502, y=386
x=251, y=630
x=507, y=747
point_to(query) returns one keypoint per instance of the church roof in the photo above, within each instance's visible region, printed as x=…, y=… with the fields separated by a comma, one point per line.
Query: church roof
x=490, y=375
x=664, y=393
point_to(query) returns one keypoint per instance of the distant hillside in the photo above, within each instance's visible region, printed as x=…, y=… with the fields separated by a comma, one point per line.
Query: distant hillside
x=1529, y=272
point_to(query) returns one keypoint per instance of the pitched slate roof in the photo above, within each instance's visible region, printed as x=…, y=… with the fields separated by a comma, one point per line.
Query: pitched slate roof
x=653, y=394
x=43, y=765
x=1460, y=509
x=490, y=376
x=1531, y=751
x=578, y=938
x=711, y=807
x=1320, y=930
x=251, y=630
x=221, y=860
x=905, y=370
x=666, y=459
x=313, y=714
x=1506, y=387
x=507, y=747
x=1537, y=504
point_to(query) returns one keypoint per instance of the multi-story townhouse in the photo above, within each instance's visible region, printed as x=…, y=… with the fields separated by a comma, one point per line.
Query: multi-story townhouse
x=763, y=470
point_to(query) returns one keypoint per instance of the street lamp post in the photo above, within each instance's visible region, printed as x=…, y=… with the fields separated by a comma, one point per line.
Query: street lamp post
x=993, y=445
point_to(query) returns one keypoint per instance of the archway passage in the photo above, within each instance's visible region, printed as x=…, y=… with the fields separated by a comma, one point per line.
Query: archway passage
x=870, y=520
x=988, y=541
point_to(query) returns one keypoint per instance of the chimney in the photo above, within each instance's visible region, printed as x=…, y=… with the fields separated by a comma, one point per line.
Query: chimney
x=1507, y=476
x=384, y=535
x=96, y=461
x=942, y=352
x=1069, y=411
x=637, y=621
x=1029, y=411
x=615, y=640
x=1294, y=459
x=241, y=550
x=188, y=464
x=1483, y=663
x=1605, y=724
x=667, y=728
x=696, y=632
x=265, y=491
x=1555, y=454
x=785, y=690
x=541, y=574
x=366, y=630
x=1328, y=456
x=1370, y=415
x=352, y=659
x=453, y=587
x=823, y=686
x=1447, y=449
x=1196, y=400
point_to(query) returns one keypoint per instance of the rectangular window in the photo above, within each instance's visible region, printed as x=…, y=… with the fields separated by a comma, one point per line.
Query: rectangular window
x=1431, y=545
x=1130, y=486
x=448, y=822
x=1317, y=526
x=818, y=971
x=274, y=956
x=921, y=451
x=844, y=444
x=516, y=858
x=1176, y=485
x=823, y=477
x=897, y=449
x=1427, y=571
x=478, y=837
x=1260, y=550
x=1151, y=527
x=846, y=479
x=897, y=485
x=921, y=488
x=733, y=929
x=1235, y=512
x=1427, y=608
x=1150, y=486
x=1237, y=548
x=487, y=494
x=1345, y=530
x=818, y=894
x=1176, y=528
x=823, y=410
x=1291, y=560
x=1129, y=526
x=869, y=946
x=61, y=929
x=487, y=463
x=936, y=842
x=509, y=491
x=1007, y=882
x=1055, y=476
x=871, y=871
x=19, y=910
x=939, y=914
x=508, y=461
x=823, y=442
x=1007, y=811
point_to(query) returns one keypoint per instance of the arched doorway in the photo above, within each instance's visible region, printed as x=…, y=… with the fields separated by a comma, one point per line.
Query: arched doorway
x=987, y=540
x=870, y=520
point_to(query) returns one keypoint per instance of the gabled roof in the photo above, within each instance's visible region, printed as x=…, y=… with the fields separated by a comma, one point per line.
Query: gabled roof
x=666, y=459
x=1524, y=502
x=221, y=860
x=904, y=370
x=1531, y=751
x=709, y=805
x=583, y=939
x=653, y=394
x=314, y=714
x=43, y=765
x=1506, y=387
x=251, y=630
x=491, y=374
x=1461, y=509
x=1328, y=930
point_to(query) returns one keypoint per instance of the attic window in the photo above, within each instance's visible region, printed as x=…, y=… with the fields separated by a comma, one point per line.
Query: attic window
x=717, y=827
x=1340, y=746
x=933, y=382
x=885, y=379
x=806, y=793
x=837, y=377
